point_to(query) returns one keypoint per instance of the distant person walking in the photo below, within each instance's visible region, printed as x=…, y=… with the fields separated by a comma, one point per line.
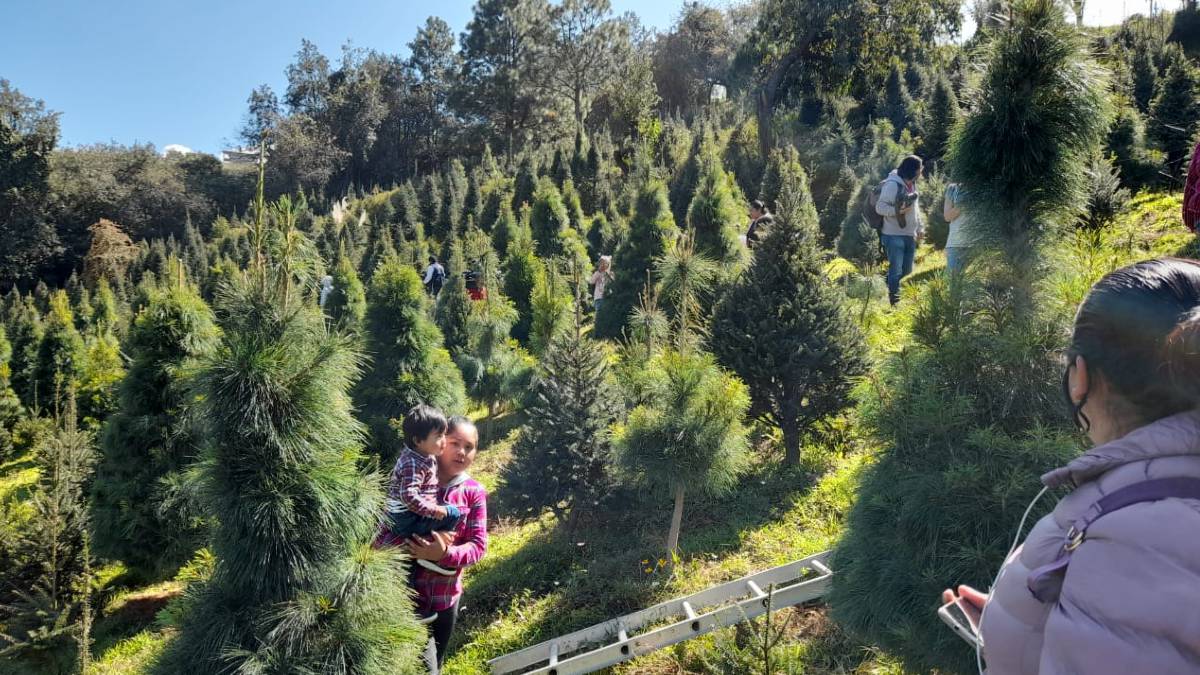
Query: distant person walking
x=899, y=204
x=600, y=279
x=958, y=242
x=1109, y=582
x=435, y=276
x=760, y=221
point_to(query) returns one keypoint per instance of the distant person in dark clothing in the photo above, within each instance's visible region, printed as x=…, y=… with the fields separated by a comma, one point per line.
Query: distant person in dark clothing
x=760, y=221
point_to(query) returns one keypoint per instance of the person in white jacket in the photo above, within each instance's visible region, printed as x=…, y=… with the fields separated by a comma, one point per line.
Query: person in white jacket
x=902, y=227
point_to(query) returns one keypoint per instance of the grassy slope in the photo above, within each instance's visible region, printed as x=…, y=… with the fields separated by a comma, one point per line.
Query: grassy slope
x=539, y=581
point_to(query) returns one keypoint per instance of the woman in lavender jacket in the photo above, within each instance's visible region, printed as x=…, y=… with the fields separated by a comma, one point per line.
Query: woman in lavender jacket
x=1130, y=601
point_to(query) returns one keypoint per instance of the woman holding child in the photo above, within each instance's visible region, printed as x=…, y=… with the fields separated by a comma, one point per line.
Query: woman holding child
x=438, y=581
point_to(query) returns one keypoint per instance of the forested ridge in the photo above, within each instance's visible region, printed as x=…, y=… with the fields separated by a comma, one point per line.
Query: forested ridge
x=194, y=435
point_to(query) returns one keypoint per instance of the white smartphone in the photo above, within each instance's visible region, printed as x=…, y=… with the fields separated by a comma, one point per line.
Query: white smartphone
x=952, y=615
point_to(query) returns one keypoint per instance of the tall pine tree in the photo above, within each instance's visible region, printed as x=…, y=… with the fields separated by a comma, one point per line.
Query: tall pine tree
x=297, y=586
x=410, y=365
x=783, y=327
x=148, y=443
x=650, y=232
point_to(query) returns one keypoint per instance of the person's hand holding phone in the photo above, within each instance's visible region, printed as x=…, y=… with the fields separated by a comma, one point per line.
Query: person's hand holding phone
x=970, y=600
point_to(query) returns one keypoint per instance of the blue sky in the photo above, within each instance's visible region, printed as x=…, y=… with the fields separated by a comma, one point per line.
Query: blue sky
x=179, y=71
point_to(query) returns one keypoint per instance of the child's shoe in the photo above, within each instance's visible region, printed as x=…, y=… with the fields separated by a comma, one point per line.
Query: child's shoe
x=435, y=568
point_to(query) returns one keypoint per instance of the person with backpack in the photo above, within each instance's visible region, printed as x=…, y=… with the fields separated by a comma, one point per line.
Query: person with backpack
x=435, y=276
x=898, y=220
x=1109, y=581
x=1191, y=192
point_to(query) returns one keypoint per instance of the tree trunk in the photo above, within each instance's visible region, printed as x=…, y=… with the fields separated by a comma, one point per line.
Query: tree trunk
x=764, y=108
x=676, y=521
x=791, y=442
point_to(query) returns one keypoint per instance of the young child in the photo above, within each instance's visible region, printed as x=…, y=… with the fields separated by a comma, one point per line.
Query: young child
x=412, y=506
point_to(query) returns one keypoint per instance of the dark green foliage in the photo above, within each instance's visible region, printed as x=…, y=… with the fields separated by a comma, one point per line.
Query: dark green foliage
x=690, y=436
x=409, y=364
x=1037, y=118
x=28, y=134
x=715, y=215
x=522, y=269
x=1144, y=73
x=297, y=585
x=473, y=205
x=560, y=168
x=783, y=168
x=453, y=214
x=552, y=308
x=838, y=206
x=743, y=157
x=943, y=115
x=453, y=304
x=10, y=406
x=548, y=219
x=650, y=232
x=347, y=302
x=504, y=230
x=964, y=455
x=1106, y=197
x=61, y=355
x=1127, y=144
x=495, y=368
x=44, y=564
x=431, y=200
x=562, y=457
x=683, y=185
x=1175, y=109
x=574, y=206
x=898, y=105
x=147, y=445
x=1185, y=30
x=26, y=331
x=784, y=329
x=601, y=236
x=526, y=183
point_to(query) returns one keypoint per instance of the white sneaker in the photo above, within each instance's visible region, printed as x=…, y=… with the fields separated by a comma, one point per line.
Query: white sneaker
x=435, y=568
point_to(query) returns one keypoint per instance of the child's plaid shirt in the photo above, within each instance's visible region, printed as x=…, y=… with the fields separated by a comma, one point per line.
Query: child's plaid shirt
x=438, y=592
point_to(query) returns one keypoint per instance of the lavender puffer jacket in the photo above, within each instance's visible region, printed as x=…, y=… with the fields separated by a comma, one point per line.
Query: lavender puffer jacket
x=1130, y=603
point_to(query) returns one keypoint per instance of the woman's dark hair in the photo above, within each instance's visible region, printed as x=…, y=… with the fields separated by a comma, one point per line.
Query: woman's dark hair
x=910, y=167
x=1139, y=328
x=457, y=421
x=758, y=205
x=420, y=421
x=432, y=260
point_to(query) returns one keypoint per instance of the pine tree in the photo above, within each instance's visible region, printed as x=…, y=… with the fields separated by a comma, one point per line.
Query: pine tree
x=455, y=200
x=61, y=354
x=26, y=335
x=898, y=104
x=297, y=586
x=714, y=216
x=683, y=186
x=1040, y=92
x=10, y=406
x=106, y=309
x=1176, y=109
x=473, y=205
x=560, y=168
x=548, y=219
x=40, y=599
x=527, y=179
x=147, y=445
x=837, y=206
x=562, y=456
x=347, y=302
x=552, y=309
x=943, y=115
x=522, y=270
x=690, y=437
x=601, y=236
x=574, y=205
x=453, y=303
x=409, y=363
x=955, y=443
x=784, y=329
x=103, y=370
x=783, y=168
x=650, y=232
x=504, y=230
x=431, y=200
